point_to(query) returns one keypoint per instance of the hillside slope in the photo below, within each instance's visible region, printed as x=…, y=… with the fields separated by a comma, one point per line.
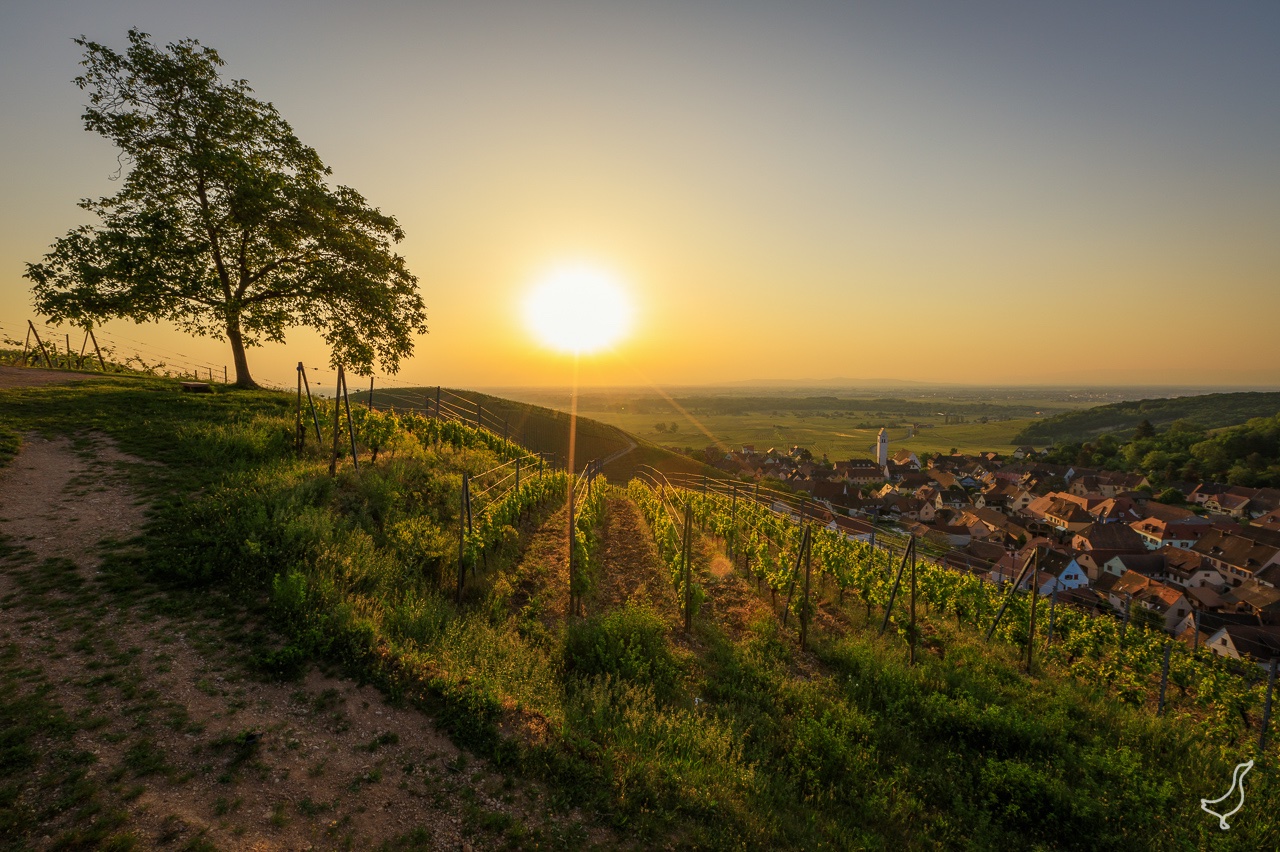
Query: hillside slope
x=727, y=734
x=1210, y=411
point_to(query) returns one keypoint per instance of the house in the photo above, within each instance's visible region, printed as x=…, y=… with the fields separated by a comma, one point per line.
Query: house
x=1157, y=533
x=1146, y=564
x=906, y=458
x=948, y=535
x=1067, y=515
x=859, y=471
x=1189, y=570
x=1236, y=557
x=1231, y=505
x=1202, y=492
x=1269, y=521
x=1120, y=591
x=1099, y=536
x=1261, y=500
x=1001, y=527
x=1165, y=512
x=1110, y=484
x=1169, y=603
x=1094, y=561
x=851, y=528
x=1059, y=572
x=1241, y=641
x=1253, y=598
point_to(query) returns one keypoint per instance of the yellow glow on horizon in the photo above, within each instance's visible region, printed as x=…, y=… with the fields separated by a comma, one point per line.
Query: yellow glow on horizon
x=578, y=309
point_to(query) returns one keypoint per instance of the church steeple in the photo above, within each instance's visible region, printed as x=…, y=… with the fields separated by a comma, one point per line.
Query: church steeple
x=882, y=448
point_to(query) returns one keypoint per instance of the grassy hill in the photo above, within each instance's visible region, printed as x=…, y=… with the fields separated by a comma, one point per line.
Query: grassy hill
x=545, y=430
x=725, y=736
x=1210, y=411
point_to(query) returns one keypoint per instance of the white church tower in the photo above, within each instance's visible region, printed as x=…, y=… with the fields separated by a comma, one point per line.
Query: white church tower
x=882, y=448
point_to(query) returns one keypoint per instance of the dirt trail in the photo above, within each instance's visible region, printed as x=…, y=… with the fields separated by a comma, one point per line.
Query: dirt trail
x=732, y=599
x=30, y=377
x=631, y=567
x=186, y=746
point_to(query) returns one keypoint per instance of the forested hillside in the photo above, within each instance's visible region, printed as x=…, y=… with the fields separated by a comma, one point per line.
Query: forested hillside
x=1209, y=411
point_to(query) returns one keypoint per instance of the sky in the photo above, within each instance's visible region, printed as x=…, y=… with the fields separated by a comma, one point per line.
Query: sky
x=978, y=192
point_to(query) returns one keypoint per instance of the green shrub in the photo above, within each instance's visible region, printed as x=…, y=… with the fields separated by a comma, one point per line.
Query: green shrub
x=629, y=643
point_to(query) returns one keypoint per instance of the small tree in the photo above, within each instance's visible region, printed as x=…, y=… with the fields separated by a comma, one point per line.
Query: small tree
x=224, y=224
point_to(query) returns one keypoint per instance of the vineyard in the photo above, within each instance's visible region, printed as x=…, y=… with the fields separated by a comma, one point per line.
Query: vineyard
x=691, y=668
x=1227, y=700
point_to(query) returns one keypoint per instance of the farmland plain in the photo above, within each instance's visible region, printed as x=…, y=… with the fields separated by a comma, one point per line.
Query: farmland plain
x=841, y=426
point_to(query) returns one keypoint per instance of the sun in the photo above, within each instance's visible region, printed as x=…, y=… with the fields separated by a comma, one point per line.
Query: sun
x=578, y=309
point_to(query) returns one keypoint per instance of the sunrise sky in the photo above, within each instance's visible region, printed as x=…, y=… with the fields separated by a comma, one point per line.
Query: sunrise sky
x=978, y=192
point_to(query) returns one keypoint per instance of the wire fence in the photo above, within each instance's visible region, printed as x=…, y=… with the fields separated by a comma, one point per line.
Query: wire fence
x=90, y=349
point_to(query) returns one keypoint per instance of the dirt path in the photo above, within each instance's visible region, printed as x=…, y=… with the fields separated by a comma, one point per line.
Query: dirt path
x=732, y=599
x=30, y=377
x=177, y=743
x=631, y=567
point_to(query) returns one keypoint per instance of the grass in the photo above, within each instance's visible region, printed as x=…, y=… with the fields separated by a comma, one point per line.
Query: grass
x=719, y=739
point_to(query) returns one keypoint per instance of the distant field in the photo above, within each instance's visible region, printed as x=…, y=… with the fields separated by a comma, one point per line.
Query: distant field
x=836, y=435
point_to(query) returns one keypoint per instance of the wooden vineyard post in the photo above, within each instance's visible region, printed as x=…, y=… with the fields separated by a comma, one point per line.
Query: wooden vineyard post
x=688, y=571
x=437, y=402
x=911, y=627
x=1033, y=558
x=1266, y=709
x=462, y=534
x=1195, y=626
x=84, y=344
x=68, y=341
x=1164, y=677
x=1053, y=603
x=370, y=406
x=478, y=413
x=573, y=487
x=1031, y=628
x=306, y=386
x=40, y=343
x=804, y=612
x=26, y=344
x=337, y=424
x=791, y=586
x=907, y=551
x=733, y=524
x=299, y=431
x=351, y=430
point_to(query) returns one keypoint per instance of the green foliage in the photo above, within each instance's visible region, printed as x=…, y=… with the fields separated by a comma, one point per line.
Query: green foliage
x=1248, y=454
x=1208, y=411
x=225, y=223
x=628, y=643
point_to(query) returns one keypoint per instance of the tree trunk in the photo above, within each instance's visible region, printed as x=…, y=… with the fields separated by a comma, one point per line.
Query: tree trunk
x=243, y=379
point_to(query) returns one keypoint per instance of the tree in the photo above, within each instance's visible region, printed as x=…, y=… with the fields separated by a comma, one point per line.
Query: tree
x=1144, y=430
x=224, y=224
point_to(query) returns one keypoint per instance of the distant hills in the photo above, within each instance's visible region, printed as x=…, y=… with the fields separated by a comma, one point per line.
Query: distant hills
x=1210, y=411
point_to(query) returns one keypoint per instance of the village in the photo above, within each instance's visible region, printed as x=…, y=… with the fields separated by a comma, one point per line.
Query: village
x=1206, y=569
